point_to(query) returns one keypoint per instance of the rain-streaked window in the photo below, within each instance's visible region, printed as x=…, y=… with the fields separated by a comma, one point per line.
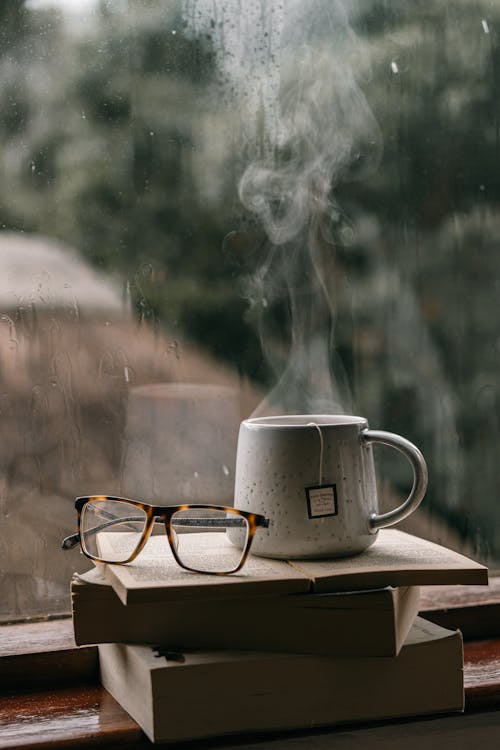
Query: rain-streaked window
x=217, y=208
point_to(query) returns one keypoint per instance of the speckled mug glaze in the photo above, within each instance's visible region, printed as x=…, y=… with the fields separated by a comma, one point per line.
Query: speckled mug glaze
x=278, y=466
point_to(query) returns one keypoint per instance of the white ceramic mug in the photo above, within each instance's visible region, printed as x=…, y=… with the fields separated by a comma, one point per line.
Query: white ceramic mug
x=313, y=476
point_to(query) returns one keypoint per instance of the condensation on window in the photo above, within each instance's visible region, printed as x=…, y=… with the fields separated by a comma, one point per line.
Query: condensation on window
x=212, y=209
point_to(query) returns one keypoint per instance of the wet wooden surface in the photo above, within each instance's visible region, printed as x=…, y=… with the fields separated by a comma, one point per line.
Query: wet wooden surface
x=66, y=717
x=434, y=597
x=86, y=715
x=475, y=610
x=43, y=654
x=482, y=674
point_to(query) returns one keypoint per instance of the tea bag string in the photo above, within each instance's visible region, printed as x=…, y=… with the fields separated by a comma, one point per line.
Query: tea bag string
x=320, y=471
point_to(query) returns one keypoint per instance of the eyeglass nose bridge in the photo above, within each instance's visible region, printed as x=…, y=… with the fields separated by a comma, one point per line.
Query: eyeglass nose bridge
x=161, y=517
x=165, y=517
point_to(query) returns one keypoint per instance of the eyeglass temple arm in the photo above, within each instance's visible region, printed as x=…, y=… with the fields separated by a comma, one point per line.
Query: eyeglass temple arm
x=71, y=541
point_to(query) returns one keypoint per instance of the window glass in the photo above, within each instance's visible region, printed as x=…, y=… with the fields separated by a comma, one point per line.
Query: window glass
x=217, y=208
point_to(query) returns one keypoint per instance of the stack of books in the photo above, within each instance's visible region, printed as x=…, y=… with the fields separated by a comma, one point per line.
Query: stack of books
x=279, y=645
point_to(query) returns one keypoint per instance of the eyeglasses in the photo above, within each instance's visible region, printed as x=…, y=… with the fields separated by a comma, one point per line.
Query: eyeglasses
x=203, y=538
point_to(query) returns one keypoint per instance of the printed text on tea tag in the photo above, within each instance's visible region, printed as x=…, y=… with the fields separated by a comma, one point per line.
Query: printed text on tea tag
x=322, y=501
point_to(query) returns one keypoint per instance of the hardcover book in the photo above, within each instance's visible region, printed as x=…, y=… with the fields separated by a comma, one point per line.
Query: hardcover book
x=372, y=622
x=191, y=695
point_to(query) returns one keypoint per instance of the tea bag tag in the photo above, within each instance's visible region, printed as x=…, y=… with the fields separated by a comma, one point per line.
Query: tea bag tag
x=322, y=498
x=322, y=501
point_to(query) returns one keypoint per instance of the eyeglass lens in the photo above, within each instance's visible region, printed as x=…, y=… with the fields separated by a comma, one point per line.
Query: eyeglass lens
x=210, y=541
x=111, y=529
x=205, y=540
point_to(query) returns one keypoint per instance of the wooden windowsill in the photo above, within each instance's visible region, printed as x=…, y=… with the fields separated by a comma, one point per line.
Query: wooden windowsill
x=475, y=610
x=81, y=715
x=52, y=699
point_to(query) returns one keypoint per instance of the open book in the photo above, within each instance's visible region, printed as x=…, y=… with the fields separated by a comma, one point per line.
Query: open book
x=395, y=559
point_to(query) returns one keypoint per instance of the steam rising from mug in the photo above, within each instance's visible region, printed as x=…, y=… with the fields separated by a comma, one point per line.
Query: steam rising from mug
x=289, y=70
x=326, y=129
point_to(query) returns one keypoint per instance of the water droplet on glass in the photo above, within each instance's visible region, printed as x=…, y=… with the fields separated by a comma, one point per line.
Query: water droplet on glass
x=225, y=470
x=347, y=235
x=485, y=26
x=394, y=67
x=173, y=348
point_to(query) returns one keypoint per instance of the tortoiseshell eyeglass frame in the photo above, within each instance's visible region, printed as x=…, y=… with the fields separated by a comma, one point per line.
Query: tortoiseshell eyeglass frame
x=160, y=514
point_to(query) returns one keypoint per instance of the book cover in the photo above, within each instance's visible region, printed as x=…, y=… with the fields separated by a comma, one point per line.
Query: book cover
x=395, y=559
x=199, y=694
x=372, y=622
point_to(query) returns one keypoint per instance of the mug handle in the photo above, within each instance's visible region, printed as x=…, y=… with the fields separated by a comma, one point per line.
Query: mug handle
x=420, y=477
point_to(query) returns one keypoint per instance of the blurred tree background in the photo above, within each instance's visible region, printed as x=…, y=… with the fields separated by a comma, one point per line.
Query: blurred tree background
x=114, y=145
